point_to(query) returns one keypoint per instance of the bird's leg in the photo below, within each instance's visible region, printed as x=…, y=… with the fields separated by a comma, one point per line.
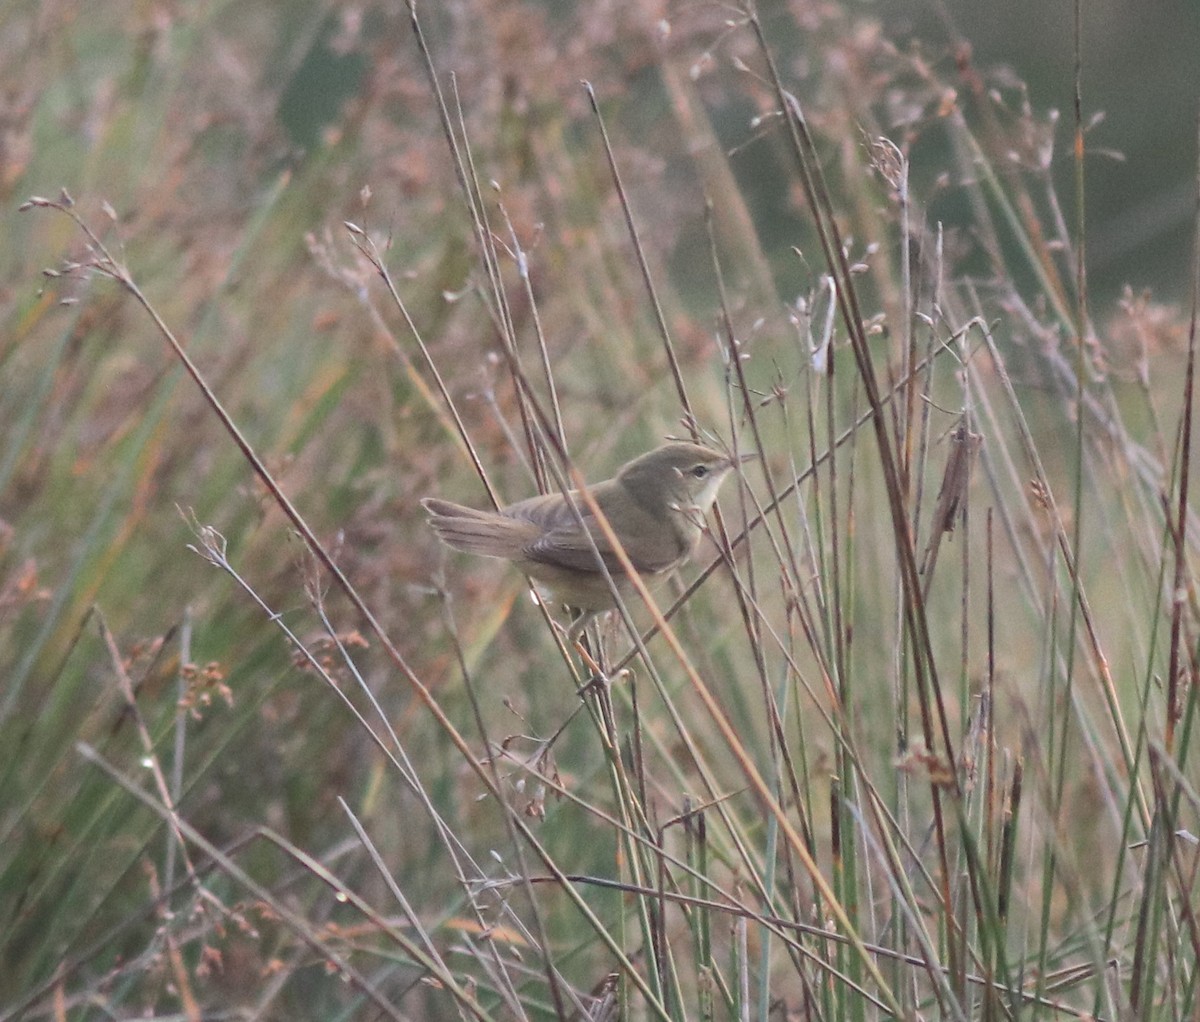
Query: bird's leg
x=580, y=623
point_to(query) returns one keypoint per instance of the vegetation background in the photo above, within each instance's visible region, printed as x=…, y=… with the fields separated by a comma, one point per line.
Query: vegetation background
x=879, y=769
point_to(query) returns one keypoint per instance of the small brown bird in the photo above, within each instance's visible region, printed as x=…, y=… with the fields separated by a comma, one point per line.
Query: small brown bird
x=655, y=505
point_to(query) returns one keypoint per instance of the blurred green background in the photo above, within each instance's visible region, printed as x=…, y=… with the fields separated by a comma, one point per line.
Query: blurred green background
x=1142, y=70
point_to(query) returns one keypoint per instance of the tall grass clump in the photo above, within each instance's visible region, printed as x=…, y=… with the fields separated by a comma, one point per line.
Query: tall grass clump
x=910, y=739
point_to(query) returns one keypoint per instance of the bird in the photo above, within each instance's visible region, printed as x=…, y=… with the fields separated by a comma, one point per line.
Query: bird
x=655, y=505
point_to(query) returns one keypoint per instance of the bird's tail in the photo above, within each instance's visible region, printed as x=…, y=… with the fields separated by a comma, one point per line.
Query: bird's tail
x=477, y=532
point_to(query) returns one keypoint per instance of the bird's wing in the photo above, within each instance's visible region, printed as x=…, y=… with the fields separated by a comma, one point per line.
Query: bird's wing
x=563, y=543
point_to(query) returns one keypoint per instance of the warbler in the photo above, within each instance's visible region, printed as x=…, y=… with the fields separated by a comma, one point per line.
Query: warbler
x=655, y=505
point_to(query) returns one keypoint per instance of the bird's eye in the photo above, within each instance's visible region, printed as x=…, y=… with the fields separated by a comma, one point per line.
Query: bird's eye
x=700, y=471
